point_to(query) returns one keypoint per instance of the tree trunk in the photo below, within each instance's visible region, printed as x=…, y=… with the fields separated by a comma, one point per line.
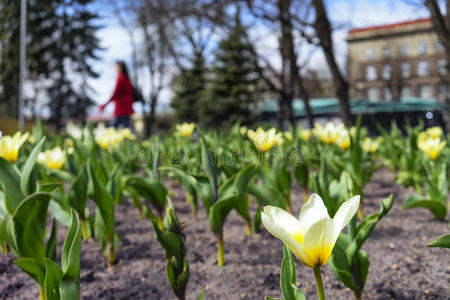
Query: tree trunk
x=283, y=111
x=286, y=69
x=304, y=94
x=295, y=77
x=150, y=117
x=323, y=32
x=441, y=25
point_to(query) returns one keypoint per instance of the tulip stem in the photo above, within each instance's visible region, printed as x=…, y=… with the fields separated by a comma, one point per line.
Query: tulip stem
x=42, y=294
x=248, y=228
x=159, y=221
x=361, y=208
x=111, y=258
x=5, y=248
x=319, y=284
x=220, y=251
x=84, y=231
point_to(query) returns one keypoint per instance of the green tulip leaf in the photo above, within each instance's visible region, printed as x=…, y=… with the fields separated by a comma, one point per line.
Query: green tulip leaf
x=171, y=275
x=62, y=175
x=46, y=186
x=32, y=267
x=53, y=275
x=50, y=249
x=154, y=192
x=339, y=263
x=104, y=215
x=267, y=195
x=442, y=241
x=29, y=226
x=27, y=186
x=366, y=228
x=78, y=191
x=436, y=207
x=10, y=184
x=114, y=185
x=288, y=278
x=219, y=211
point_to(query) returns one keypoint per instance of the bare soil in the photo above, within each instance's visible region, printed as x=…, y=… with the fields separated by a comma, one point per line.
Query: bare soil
x=402, y=267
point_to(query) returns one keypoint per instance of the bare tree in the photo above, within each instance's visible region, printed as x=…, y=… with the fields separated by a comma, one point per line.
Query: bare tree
x=441, y=24
x=195, y=23
x=323, y=32
x=288, y=82
x=153, y=18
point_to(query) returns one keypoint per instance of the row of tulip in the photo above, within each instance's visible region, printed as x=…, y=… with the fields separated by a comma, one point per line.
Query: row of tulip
x=110, y=165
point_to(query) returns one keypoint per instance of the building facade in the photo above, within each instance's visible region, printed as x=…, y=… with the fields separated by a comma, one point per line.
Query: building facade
x=403, y=60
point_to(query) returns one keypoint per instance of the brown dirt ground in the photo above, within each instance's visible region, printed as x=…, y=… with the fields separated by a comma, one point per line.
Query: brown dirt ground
x=402, y=267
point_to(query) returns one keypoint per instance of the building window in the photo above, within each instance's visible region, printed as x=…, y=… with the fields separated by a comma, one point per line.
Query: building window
x=387, y=94
x=405, y=69
x=422, y=48
x=423, y=68
x=444, y=90
x=387, y=72
x=440, y=47
x=425, y=91
x=403, y=50
x=387, y=52
x=370, y=53
x=406, y=92
x=442, y=66
x=371, y=73
x=372, y=94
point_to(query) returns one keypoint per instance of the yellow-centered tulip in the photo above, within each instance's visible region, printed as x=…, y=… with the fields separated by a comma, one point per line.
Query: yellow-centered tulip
x=265, y=140
x=9, y=146
x=432, y=147
x=343, y=141
x=371, y=145
x=288, y=135
x=54, y=158
x=313, y=235
x=329, y=133
x=305, y=134
x=126, y=134
x=109, y=138
x=435, y=132
x=185, y=129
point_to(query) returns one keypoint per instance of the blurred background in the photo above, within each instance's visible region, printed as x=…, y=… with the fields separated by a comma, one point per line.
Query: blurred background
x=219, y=62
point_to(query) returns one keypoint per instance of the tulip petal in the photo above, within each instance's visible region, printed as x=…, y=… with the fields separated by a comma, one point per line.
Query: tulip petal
x=313, y=211
x=5, y=146
x=23, y=139
x=319, y=240
x=345, y=213
x=279, y=218
x=288, y=229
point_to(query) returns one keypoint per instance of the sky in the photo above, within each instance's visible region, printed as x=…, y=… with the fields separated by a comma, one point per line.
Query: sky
x=345, y=14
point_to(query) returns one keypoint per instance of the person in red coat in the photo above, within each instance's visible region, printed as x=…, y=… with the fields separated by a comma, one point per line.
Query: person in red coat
x=123, y=97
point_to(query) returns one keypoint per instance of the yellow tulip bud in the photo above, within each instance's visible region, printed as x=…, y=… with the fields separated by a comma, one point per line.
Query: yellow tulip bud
x=432, y=147
x=185, y=129
x=305, y=134
x=54, y=158
x=9, y=146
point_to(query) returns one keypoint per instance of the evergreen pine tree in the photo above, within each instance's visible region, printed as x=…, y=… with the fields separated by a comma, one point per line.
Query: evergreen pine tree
x=233, y=86
x=189, y=91
x=61, y=44
x=73, y=52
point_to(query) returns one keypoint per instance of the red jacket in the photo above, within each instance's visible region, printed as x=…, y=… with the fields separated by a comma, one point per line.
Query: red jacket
x=122, y=97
